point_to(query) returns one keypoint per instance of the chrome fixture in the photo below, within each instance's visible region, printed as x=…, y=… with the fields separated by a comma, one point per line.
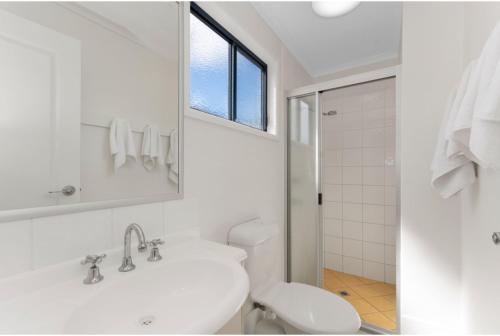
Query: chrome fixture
x=94, y=275
x=496, y=238
x=155, y=250
x=330, y=113
x=127, y=264
x=66, y=190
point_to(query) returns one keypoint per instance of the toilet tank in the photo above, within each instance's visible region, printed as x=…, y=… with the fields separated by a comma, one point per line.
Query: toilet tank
x=260, y=241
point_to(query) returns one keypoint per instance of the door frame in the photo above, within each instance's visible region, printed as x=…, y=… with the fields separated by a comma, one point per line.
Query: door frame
x=317, y=88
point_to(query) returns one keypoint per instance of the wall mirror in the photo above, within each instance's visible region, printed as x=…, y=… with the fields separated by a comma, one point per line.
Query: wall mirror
x=86, y=87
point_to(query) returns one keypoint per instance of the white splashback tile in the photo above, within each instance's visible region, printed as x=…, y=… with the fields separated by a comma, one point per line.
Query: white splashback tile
x=374, y=195
x=373, y=175
x=352, y=248
x=373, y=214
x=352, y=266
x=352, y=193
x=390, y=274
x=352, y=212
x=333, y=261
x=148, y=216
x=374, y=252
x=332, y=192
x=15, y=248
x=374, y=137
x=390, y=235
x=374, y=270
x=353, y=139
x=332, y=157
x=60, y=238
x=333, y=244
x=332, y=175
x=374, y=156
x=374, y=233
x=390, y=255
x=332, y=210
x=332, y=227
x=181, y=215
x=352, y=157
x=352, y=230
x=352, y=175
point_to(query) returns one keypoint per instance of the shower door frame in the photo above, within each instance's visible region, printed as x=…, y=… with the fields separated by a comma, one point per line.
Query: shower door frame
x=317, y=89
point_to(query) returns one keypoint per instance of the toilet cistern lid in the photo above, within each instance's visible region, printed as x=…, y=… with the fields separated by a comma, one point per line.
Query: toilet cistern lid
x=311, y=309
x=251, y=233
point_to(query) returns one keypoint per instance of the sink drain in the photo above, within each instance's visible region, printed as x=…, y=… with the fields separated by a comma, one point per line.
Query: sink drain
x=146, y=321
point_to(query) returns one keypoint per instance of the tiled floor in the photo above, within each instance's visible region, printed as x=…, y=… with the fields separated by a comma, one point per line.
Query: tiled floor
x=375, y=301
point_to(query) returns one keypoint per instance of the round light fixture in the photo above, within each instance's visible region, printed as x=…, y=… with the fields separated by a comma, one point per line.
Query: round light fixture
x=333, y=8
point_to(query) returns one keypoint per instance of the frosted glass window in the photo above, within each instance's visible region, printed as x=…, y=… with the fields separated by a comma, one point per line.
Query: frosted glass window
x=227, y=79
x=209, y=70
x=248, y=92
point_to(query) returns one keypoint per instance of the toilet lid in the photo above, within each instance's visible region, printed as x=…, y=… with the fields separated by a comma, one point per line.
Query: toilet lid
x=311, y=309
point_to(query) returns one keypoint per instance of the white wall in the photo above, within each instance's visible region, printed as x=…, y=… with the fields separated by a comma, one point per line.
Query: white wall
x=480, y=210
x=430, y=227
x=230, y=175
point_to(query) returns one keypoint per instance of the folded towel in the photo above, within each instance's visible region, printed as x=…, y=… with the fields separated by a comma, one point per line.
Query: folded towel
x=121, y=142
x=172, y=158
x=450, y=174
x=151, y=147
x=485, y=132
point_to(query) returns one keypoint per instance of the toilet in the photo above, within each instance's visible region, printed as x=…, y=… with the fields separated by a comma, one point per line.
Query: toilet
x=289, y=308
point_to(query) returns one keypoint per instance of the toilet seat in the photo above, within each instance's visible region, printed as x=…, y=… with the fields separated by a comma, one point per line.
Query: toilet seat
x=310, y=309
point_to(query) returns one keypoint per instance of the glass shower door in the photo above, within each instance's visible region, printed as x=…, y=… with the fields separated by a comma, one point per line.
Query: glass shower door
x=303, y=189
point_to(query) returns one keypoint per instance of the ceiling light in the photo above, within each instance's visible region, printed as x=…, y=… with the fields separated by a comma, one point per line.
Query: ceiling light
x=333, y=8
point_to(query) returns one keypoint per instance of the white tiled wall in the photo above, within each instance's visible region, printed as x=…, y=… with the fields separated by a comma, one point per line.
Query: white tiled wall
x=40, y=242
x=359, y=183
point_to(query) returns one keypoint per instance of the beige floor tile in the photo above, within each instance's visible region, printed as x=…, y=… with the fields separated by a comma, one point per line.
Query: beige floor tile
x=376, y=289
x=351, y=294
x=391, y=314
x=362, y=306
x=383, y=303
x=380, y=320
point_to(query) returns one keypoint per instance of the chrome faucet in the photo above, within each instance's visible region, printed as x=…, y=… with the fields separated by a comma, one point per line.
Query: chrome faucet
x=127, y=264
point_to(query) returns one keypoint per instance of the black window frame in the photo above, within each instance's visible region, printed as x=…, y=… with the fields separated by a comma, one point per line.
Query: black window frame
x=235, y=47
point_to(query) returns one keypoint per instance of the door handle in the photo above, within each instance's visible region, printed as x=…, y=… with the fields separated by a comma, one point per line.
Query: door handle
x=66, y=190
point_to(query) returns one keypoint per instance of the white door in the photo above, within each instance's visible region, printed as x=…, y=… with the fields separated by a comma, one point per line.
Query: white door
x=39, y=114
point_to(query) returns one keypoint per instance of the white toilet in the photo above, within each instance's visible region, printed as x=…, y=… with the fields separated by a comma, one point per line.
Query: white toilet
x=298, y=308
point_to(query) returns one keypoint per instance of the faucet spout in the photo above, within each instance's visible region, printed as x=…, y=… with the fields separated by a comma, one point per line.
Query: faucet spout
x=127, y=264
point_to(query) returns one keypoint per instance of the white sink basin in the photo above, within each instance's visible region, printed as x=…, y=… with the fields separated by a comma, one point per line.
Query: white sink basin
x=196, y=296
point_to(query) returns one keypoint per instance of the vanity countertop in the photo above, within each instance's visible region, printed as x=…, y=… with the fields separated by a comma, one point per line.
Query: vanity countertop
x=42, y=301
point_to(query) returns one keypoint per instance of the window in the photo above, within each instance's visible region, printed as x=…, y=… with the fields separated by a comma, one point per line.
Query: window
x=227, y=79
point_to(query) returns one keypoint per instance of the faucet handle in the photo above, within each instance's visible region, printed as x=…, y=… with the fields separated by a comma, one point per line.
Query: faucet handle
x=155, y=242
x=93, y=259
x=155, y=250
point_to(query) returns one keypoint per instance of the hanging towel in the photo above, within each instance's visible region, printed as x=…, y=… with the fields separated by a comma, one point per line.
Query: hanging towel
x=460, y=116
x=450, y=174
x=121, y=142
x=151, y=147
x=485, y=132
x=172, y=158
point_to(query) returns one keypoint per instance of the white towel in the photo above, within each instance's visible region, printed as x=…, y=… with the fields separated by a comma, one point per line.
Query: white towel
x=121, y=142
x=172, y=158
x=460, y=116
x=450, y=174
x=485, y=132
x=151, y=147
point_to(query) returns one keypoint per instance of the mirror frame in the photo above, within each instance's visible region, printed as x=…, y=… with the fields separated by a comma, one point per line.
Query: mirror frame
x=29, y=213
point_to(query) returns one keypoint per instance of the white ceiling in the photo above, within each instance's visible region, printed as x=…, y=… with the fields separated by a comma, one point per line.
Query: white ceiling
x=370, y=33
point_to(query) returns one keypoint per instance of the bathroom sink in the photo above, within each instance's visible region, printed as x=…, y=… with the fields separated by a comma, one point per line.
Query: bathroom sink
x=194, y=296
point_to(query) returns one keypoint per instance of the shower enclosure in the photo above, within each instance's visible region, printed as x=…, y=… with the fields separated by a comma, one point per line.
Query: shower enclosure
x=343, y=192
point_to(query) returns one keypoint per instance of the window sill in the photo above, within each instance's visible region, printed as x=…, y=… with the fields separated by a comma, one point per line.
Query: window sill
x=195, y=114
